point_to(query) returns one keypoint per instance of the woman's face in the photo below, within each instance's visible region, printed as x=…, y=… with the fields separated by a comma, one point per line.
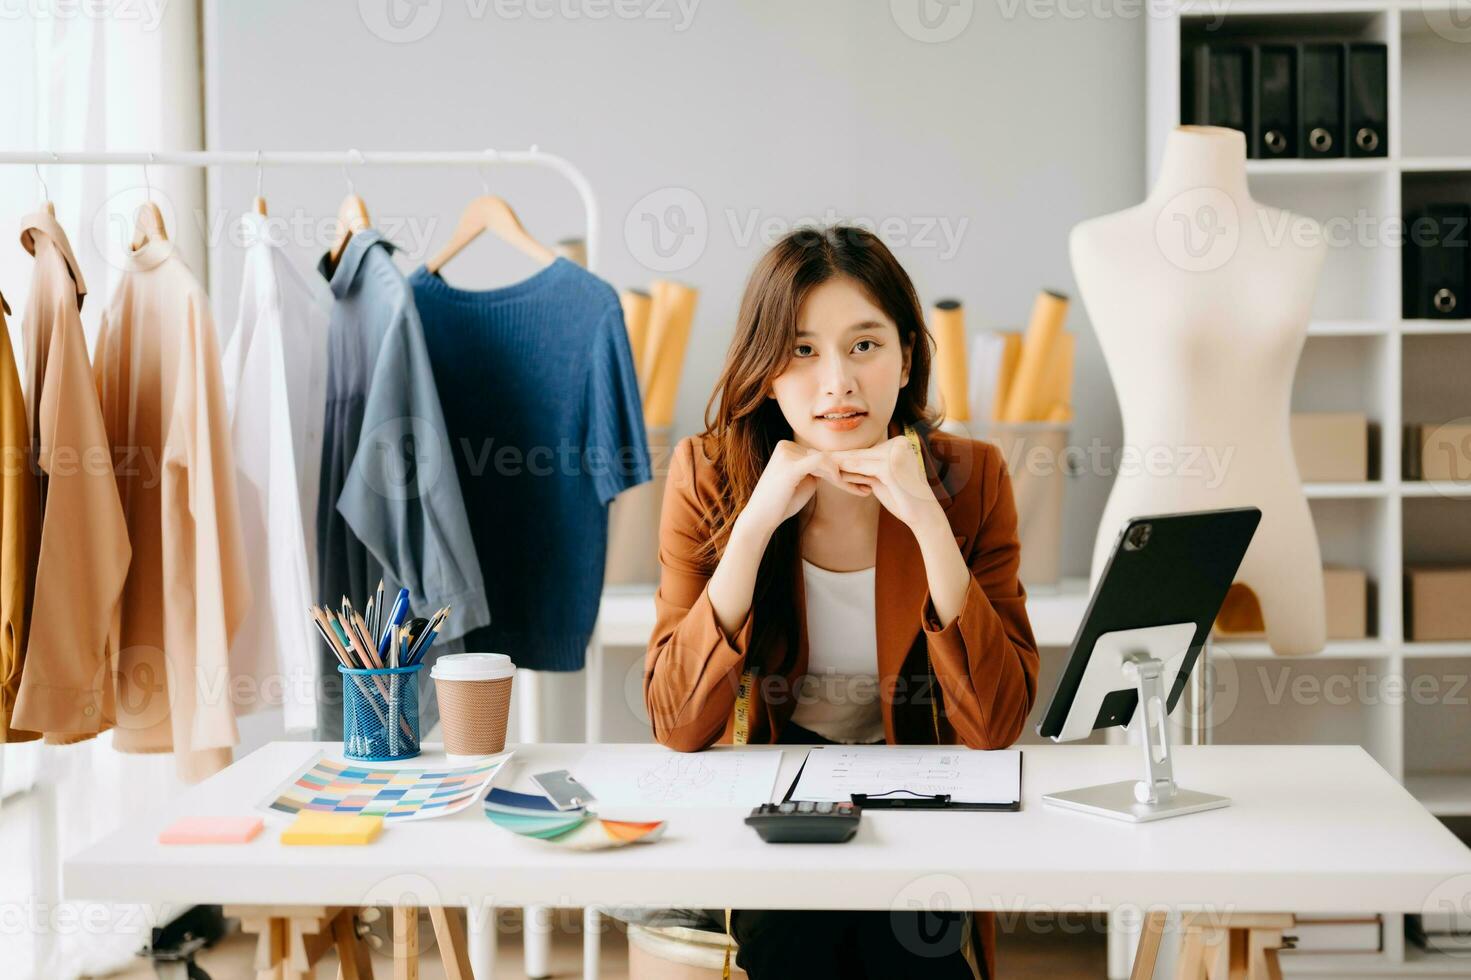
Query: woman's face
x=847, y=366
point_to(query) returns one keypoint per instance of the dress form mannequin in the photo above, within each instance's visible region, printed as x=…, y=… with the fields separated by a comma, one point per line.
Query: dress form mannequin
x=1201, y=299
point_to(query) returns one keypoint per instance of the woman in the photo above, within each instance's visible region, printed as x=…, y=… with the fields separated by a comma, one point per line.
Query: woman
x=826, y=579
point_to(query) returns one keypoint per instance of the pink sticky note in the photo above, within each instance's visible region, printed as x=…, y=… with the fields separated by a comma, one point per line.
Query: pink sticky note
x=211, y=830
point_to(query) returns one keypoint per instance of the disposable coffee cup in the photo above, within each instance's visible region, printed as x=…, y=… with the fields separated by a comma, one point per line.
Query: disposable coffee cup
x=474, y=692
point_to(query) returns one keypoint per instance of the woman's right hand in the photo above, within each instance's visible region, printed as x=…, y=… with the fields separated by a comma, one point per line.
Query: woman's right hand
x=788, y=483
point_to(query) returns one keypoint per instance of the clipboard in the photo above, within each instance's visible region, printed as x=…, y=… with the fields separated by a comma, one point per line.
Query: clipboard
x=919, y=801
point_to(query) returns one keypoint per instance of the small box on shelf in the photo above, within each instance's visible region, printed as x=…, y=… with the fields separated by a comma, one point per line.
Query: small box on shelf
x=1437, y=602
x=1333, y=447
x=1437, y=452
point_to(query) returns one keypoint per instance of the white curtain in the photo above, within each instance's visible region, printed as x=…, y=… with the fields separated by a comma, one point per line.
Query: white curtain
x=106, y=76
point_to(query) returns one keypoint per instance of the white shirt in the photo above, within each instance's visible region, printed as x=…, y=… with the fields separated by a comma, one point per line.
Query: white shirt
x=275, y=369
x=838, y=697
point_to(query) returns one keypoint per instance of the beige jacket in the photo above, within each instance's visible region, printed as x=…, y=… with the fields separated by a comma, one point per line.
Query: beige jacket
x=18, y=533
x=157, y=369
x=67, y=690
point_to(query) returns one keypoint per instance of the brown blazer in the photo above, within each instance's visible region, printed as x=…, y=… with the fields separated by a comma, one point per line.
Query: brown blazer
x=984, y=663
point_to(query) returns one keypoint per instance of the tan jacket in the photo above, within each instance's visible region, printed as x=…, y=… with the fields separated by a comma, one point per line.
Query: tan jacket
x=67, y=690
x=984, y=663
x=157, y=368
x=19, y=530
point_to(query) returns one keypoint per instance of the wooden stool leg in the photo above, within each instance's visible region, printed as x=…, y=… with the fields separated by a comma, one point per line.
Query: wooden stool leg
x=451, y=937
x=406, y=943
x=1147, y=954
x=1217, y=954
x=1192, y=956
x=349, y=947
x=270, y=950
x=1263, y=962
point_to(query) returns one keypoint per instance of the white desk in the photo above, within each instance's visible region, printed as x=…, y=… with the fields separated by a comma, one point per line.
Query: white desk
x=1310, y=829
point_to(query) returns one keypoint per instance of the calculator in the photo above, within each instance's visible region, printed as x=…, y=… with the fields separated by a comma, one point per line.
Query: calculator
x=805, y=822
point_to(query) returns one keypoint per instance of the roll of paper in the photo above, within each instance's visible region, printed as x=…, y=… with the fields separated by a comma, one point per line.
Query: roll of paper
x=670, y=317
x=1011, y=355
x=947, y=323
x=636, y=305
x=1049, y=312
x=573, y=250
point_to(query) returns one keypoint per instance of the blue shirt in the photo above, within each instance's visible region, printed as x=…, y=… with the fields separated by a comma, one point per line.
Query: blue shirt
x=546, y=427
x=390, y=506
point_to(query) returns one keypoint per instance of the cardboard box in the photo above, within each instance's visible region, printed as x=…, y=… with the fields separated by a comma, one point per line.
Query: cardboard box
x=1438, y=452
x=1346, y=596
x=1438, y=602
x=1331, y=447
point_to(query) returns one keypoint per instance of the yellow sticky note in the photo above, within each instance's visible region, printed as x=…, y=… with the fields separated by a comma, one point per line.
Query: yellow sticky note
x=328, y=829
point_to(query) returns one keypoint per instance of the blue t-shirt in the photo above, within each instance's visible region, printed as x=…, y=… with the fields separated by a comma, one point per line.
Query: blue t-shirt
x=542, y=407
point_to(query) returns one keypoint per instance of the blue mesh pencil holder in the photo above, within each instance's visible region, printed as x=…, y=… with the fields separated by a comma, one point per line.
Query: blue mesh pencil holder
x=380, y=713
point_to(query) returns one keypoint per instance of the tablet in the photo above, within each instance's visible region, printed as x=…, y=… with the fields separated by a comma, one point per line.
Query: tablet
x=1165, y=569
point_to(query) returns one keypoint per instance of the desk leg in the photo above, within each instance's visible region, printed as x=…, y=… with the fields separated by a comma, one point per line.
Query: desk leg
x=536, y=940
x=450, y=937
x=354, y=960
x=406, y=943
x=482, y=941
x=592, y=942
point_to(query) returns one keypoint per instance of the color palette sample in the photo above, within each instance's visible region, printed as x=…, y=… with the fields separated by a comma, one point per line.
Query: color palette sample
x=331, y=786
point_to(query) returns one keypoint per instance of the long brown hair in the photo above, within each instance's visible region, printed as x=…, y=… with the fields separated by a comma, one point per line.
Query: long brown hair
x=743, y=425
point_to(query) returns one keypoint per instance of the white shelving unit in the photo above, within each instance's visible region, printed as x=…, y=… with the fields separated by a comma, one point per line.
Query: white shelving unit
x=1397, y=699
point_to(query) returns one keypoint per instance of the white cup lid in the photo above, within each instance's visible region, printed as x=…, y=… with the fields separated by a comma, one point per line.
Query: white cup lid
x=472, y=667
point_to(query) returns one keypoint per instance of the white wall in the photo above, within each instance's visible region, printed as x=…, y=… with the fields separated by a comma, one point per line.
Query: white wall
x=749, y=111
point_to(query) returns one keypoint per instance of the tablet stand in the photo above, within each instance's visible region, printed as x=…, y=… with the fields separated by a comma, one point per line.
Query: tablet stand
x=1127, y=658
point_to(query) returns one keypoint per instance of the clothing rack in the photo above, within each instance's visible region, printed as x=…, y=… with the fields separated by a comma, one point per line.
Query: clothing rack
x=482, y=935
x=533, y=157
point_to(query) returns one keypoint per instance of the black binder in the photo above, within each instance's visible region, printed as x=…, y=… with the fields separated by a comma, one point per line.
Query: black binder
x=1216, y=88
x=1437, y=263
x=1367, y=99
x=1275, y=91
x=1320, y=99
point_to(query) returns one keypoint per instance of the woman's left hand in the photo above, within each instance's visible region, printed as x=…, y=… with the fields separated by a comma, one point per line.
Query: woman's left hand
x=897, y=478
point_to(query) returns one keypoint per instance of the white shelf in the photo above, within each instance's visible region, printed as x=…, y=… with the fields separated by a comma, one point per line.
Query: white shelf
x=1335, y=650
x=1436, y=488
x=1443, y=794
x=1431, y=328
x=1361, y=356
x=1350, y=328
x=1365, y=489
x=1440, y=648
x=1352, y=166
x=1420, y=963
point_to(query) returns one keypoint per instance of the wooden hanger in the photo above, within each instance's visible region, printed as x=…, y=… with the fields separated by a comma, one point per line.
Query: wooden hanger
x=148, y=223
x=259, y=204
x=45, y=192
x=352, y=217
x=493, y=214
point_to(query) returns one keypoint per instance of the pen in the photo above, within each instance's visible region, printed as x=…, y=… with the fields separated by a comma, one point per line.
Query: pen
x=395, y=619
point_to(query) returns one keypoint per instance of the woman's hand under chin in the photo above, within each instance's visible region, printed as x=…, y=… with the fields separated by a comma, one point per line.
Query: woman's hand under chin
x=896, y=476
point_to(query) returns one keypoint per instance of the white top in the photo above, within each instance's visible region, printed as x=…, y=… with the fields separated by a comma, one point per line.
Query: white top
x=1310, y=828
x=838, y=697
x=275, y=374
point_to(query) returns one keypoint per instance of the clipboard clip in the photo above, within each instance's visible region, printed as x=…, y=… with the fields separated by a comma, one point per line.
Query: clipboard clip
x=887, y=801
